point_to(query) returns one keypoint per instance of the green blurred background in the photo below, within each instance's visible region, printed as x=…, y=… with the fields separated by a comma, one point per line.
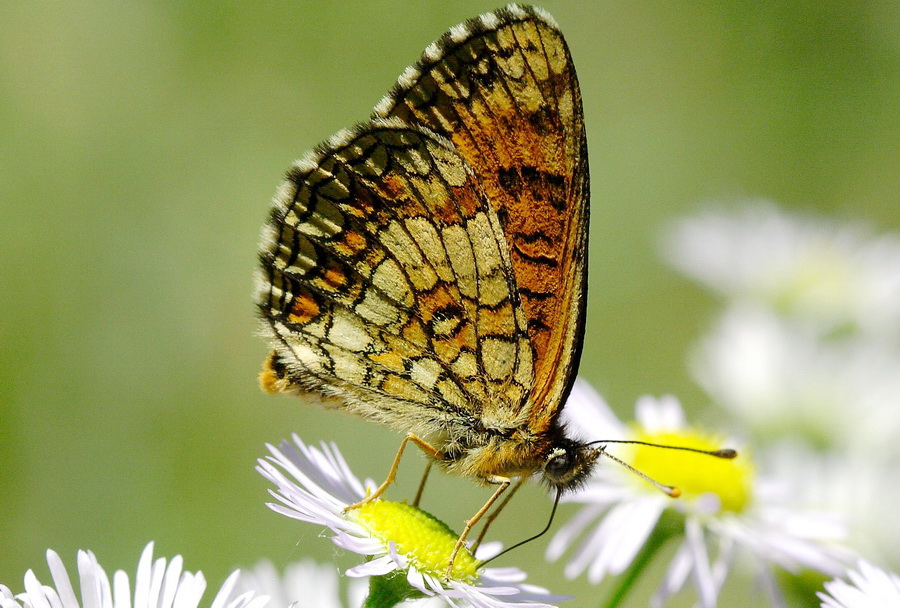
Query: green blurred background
x=140, y=144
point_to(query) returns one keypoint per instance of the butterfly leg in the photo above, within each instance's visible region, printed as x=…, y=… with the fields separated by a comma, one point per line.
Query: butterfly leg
x=502, y=483
x=490, y=518
x=392, y=474
x=421, y=489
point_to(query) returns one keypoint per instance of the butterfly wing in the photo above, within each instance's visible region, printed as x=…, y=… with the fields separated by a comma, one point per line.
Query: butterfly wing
x=502, y=88
x=386, y=284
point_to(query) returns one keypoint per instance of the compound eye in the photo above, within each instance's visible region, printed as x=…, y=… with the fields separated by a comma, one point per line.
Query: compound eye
x=557, y=466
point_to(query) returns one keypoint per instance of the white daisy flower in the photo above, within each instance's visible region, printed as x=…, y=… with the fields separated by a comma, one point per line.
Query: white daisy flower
x=308, y=584
x=317, y=486
x=836, y=273
x=784, y=379
x=861, y=488
x=723, y=507
x=304, y=584
x=156, y=585
x=868, y=587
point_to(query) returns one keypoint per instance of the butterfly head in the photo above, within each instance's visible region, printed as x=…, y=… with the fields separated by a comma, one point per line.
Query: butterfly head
x=569, y=463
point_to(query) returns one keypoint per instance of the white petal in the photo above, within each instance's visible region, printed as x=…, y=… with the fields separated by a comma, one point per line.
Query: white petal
x=247, y=600
x=170, y=580
x=672, y=414
x=36, y=596
x=121, y=590
x=768, y=582
x=143, y=578
x=625, y=535
x=505, y=575
x=703, y=579
x=361, y=545
x=572, y=528
x=7, y=600
x=221, y=599
x=355, y=594
x=589, y=415
x=61, y=580
x=642, y=522
x=868, y=587
x=157, y=572
x=376, y=567
x=659, y=415
x=415, y=578
x=722, y=564
x=487, y=550
x=589, y=548
x=676, y=575
x=190, y=590
x=598, y=550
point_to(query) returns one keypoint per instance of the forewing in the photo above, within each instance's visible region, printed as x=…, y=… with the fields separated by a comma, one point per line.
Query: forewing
x=503, y=89
x=386, y=283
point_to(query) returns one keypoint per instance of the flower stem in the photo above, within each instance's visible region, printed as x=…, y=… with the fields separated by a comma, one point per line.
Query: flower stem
x=664, y=530
x=389, y=590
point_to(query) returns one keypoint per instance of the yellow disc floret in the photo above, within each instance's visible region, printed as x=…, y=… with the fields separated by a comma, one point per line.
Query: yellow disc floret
x=425, y=540
x=695, y=474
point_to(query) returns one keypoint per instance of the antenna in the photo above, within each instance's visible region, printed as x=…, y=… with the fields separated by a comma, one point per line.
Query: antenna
x=672, y=491
x=726, y=453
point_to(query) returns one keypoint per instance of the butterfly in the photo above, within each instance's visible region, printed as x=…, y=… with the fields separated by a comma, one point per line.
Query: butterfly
x=427, y=268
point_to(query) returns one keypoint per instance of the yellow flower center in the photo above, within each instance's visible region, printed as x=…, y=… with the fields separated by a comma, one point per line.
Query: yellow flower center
x=695, y=474
x=422, y=538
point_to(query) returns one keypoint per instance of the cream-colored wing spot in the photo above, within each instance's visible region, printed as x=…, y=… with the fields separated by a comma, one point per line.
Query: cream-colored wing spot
x=425, y=233
x=390, y=280
x=458, y=246
x=499, y=358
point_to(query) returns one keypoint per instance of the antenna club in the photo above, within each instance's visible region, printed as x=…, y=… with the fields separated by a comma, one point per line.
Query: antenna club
x=725, y=453
x=674, y=492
